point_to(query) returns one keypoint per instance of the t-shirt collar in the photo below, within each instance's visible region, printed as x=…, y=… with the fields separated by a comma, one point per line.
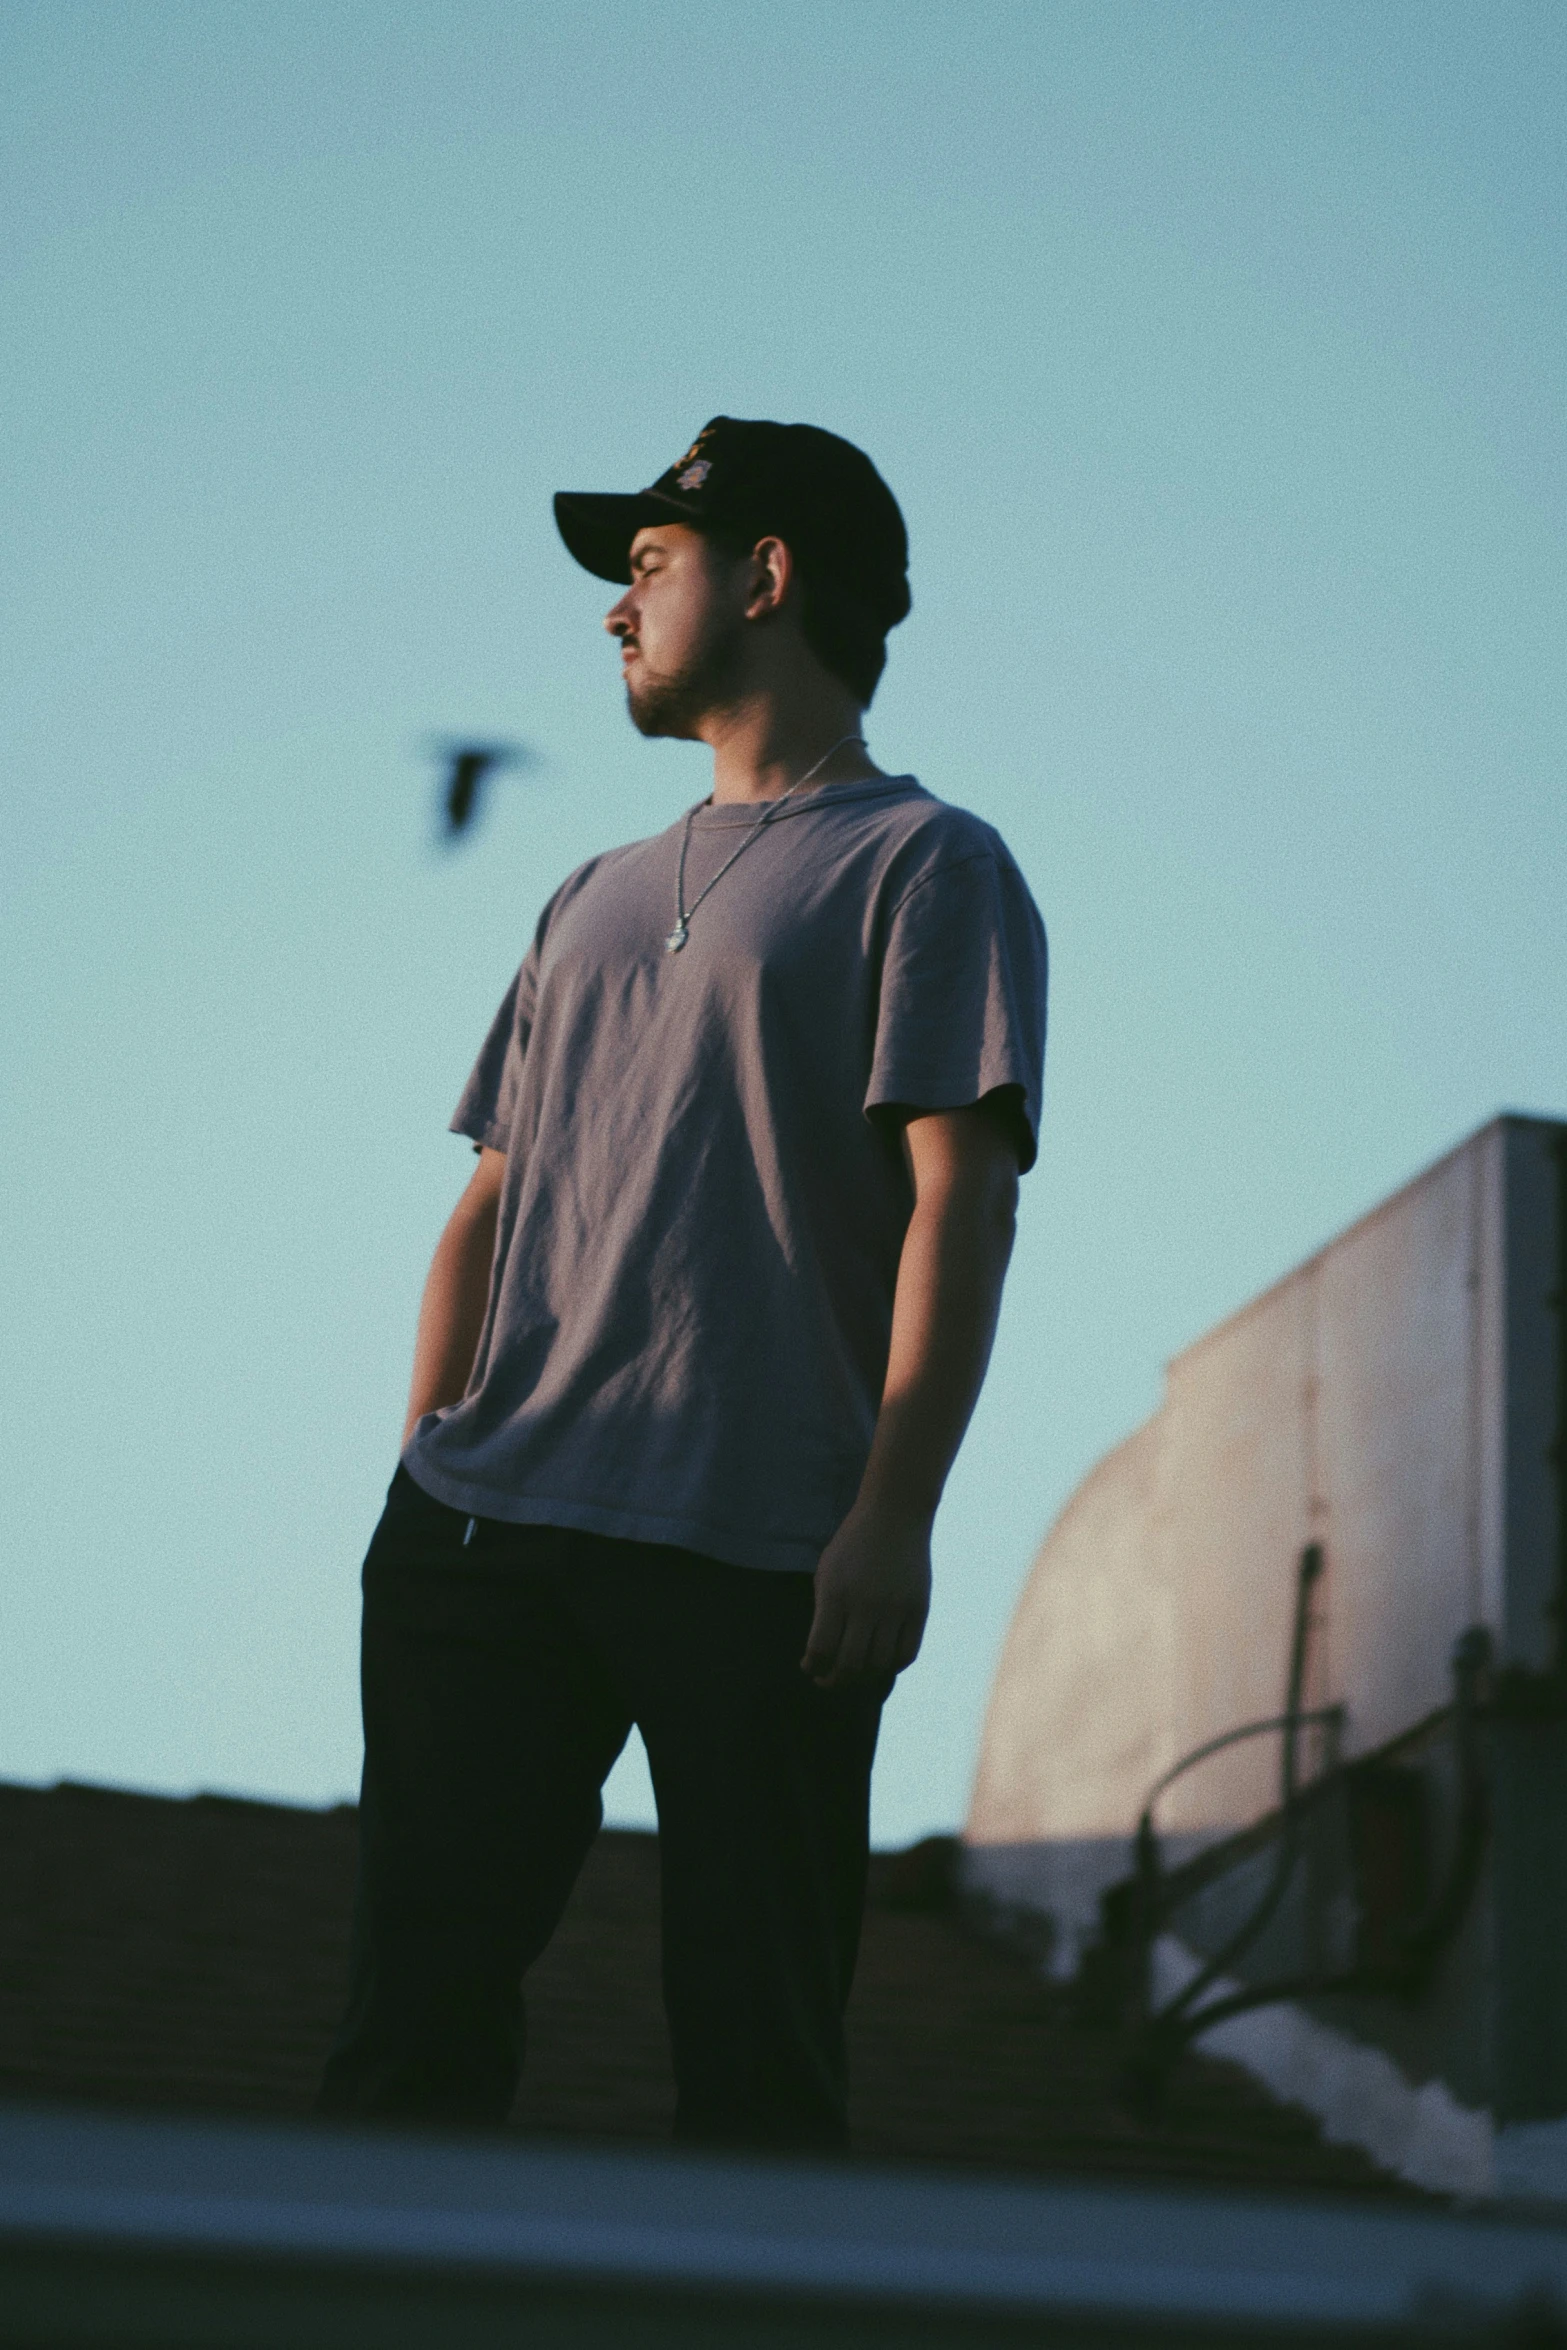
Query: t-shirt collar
x=880, y=787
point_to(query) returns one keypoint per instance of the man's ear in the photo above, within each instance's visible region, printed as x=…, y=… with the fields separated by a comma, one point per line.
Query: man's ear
x=772, y=577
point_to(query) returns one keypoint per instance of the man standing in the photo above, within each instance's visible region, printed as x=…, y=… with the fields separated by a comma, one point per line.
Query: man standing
x=702, y=1336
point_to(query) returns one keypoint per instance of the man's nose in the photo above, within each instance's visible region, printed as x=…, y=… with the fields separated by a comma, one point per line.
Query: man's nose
x=617, y=619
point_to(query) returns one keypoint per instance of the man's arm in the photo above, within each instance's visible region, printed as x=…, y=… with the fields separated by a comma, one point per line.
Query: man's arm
x=455, y=1295
x=873, y=1579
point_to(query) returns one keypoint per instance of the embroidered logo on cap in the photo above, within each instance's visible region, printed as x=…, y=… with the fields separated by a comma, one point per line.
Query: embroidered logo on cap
x=694, y=475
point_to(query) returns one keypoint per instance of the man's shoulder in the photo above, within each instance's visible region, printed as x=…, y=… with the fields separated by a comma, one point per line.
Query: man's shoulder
x=930, y=834
x=601, y=866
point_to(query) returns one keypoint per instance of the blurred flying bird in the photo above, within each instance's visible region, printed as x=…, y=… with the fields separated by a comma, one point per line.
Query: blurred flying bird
x=465, y=769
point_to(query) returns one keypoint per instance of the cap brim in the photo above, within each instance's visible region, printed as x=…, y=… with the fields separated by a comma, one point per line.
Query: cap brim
x=598, y=526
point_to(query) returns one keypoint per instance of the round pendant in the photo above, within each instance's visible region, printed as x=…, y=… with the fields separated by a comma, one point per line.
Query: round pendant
x=676, y=939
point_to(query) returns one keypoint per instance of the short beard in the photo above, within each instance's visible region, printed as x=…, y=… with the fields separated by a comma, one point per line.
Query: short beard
x=676, y=703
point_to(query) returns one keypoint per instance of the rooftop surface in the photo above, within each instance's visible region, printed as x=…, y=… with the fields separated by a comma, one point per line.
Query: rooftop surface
x=190, y=1956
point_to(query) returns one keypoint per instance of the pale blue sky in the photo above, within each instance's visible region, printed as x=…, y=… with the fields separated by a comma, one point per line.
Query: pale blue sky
x=1216, y=354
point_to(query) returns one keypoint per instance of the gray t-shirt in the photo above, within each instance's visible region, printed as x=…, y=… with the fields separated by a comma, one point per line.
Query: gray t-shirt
x=702, y=1213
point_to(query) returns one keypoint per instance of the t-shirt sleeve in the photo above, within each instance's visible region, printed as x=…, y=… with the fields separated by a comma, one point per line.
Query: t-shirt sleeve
x=961, y=1010
x=489, y=1099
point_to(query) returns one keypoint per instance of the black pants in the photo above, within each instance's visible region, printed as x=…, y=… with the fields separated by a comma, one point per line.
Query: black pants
x=501, y=1678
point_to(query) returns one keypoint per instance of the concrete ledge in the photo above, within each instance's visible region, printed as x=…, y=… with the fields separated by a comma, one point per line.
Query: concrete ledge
x=117, y=2230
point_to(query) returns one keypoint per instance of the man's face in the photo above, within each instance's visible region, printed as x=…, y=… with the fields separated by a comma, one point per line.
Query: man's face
x=681, y=629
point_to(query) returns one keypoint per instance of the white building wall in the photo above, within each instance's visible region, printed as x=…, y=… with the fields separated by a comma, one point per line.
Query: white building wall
x=1357, y=1404
x=1399, y=1400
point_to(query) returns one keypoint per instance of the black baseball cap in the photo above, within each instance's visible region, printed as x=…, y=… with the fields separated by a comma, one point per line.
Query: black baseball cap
x=820, y=494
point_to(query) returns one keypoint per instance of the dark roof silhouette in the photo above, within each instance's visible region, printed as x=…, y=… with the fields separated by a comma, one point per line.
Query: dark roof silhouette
x=191, y=1955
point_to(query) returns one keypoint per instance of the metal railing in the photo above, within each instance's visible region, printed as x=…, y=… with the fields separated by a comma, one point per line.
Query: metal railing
x=1396, y=1952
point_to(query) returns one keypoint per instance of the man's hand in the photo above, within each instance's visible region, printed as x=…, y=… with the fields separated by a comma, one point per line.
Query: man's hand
x=872, y=1598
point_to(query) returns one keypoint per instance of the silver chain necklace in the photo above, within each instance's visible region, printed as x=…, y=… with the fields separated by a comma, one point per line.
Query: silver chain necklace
x=683, y=913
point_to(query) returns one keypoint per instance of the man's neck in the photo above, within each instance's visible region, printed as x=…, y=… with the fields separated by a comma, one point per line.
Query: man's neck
x=763, y=747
